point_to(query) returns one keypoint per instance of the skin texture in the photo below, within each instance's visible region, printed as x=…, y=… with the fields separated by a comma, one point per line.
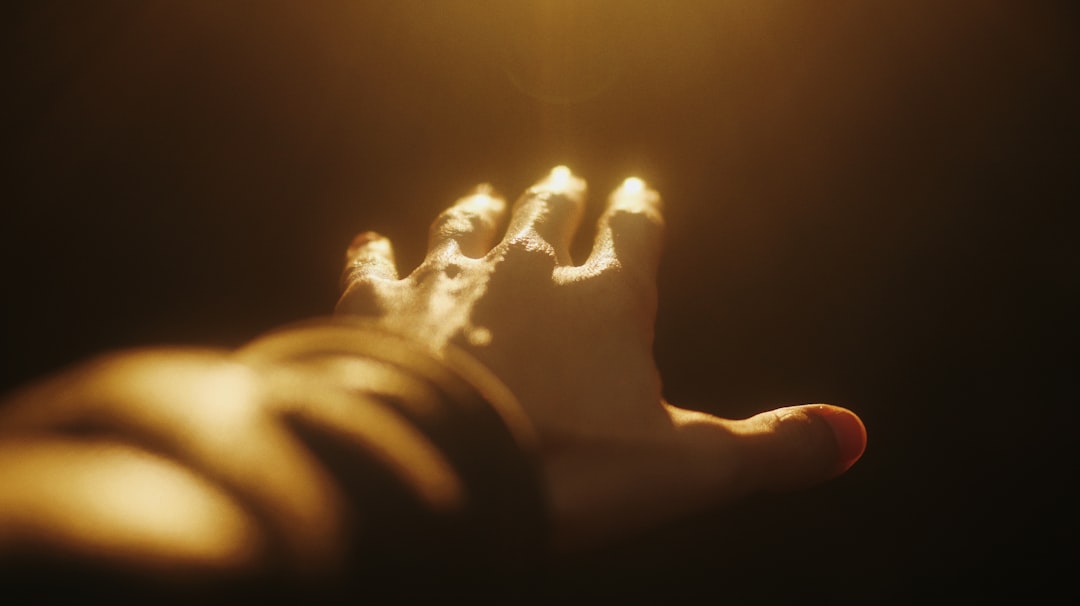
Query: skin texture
x=574, y=344
x=179, y=463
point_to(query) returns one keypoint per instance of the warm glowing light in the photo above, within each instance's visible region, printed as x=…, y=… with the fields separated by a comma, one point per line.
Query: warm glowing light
x=635, y=196
x=560, y=177
x=561, y=182
x=482, y=201
x=485, y=189
x=633, y=185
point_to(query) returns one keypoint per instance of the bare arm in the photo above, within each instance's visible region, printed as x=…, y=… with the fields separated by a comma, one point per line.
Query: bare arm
x=497, y=390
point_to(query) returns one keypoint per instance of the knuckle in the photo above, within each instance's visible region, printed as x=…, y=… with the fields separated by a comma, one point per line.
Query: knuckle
x=352, y=276
x=366, y=274
x=528, y=250
x=545, y=207
x=366, y=268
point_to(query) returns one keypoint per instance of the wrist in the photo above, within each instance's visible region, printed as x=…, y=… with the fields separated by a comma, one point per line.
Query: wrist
x=459, y=429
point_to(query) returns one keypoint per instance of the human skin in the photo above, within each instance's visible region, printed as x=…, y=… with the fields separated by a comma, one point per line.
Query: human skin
x=171, y=461
x=574, y=344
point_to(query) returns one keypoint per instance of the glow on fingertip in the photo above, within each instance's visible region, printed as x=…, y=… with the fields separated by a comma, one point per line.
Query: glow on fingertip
x=482, y=198
x=560, y=176
x=482, y=203
x=484, y=189
x=633, y=185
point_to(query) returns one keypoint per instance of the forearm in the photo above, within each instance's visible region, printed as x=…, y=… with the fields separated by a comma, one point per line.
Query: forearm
x=301, y=455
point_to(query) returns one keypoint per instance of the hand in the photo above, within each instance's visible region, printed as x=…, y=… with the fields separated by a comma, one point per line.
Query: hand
x=574, y=344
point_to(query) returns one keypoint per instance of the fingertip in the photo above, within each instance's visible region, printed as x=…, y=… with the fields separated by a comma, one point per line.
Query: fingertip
x=635, y=195
x=633, y=185
x=849, y=431
x=562, y=181
x=484, y=189
x=484, y=199
x=561, y=174
x=363, y=239
x=798, y=446
x=370, y=256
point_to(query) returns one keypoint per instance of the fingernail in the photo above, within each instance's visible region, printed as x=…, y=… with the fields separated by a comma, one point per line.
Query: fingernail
x=850, y=434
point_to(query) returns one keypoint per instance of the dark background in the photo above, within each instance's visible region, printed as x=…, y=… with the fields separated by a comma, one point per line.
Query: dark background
x=869, y=203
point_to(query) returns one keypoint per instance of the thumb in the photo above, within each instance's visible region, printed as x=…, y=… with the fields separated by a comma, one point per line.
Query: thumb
x=798, y=446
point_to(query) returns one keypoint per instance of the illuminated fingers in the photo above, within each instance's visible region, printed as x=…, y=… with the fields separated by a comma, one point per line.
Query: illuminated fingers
x=630, y=232
x=552, y=210
x=542, y=225
x=471, y=223
x=369, y=258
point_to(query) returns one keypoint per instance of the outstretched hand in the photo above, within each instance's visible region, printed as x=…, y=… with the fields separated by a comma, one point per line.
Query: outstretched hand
x=574, y=344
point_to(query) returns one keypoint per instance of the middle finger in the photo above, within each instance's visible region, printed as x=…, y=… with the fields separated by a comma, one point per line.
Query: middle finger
x=550, y=209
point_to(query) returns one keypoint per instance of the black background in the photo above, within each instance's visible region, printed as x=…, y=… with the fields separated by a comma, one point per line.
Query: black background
x=869, y=203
